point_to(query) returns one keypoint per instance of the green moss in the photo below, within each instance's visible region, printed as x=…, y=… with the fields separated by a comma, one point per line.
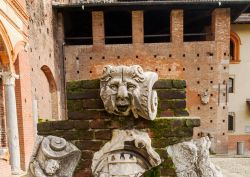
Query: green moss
x=179, y=84
x=154, y=172
x=79, y=86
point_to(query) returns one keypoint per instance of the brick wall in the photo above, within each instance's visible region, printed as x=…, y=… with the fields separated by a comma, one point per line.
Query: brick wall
x=89, y=126
x=45, y=50
x=203, y=64
x=3, y=138
x=24, y=108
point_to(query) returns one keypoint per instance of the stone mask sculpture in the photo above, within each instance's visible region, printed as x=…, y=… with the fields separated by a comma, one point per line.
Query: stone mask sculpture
x=53, y=157
x=126, y=89
x=128, y=154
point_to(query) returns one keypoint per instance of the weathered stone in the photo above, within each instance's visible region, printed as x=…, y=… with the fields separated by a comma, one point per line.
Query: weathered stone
x=84, y=114
x=171, y=94
x=129, y=153
x=205, y=96
x=53, y=156
x=81, y=124
x=128, y=89
x=93, y=104
x=163, y=84
x=89, y=144
x=103, y=134
x=84, y=94
x=192, y=159
x=179, y=84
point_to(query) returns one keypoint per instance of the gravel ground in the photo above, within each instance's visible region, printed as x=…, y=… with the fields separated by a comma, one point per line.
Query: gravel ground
x=233, y=167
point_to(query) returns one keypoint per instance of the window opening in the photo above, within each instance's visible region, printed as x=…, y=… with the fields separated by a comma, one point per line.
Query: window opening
x=78, y=27
x=231, y=119
x=231, y=85
x=156, y=26
x=118, y=27
x=197, y=25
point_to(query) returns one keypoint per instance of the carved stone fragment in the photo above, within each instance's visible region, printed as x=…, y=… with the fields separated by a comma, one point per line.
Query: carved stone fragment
x=54, y=157
x=126, y=89
x=192, y=159
x=205, y=96
x=128, y=154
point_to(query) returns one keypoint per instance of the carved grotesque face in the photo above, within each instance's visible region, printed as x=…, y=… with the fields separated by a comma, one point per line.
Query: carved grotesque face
x=128, y=89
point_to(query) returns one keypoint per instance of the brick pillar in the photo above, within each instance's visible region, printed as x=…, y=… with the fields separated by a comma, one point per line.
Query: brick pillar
x=176, y=26
x=221, y=25
x=98, y=28
x=221, y=34
x=24, y=108
x=137, y=27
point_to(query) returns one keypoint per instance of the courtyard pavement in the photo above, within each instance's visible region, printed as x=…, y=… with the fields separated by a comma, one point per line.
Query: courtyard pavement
x=233, y=165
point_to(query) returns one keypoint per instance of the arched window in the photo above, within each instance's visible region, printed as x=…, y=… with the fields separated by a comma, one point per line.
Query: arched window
x=234, y=48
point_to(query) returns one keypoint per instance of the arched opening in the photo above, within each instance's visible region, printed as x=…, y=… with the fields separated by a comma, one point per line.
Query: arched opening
x=234, y=48
x=53, y=91
x=3, y=133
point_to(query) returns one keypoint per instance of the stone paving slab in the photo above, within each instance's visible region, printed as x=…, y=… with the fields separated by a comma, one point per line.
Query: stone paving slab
x=233, y=167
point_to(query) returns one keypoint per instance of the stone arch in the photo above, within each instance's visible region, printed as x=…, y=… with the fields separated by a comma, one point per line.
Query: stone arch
x=9, y=48
x=235, y=43
x=20, y=46
x=53, y=90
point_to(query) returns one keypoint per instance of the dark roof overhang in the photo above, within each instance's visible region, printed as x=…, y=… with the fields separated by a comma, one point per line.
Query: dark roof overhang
x=236, y=6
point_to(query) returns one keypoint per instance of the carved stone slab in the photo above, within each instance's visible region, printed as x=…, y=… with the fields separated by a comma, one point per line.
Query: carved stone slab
x=126, y=89
x=128, y=154
x=54, y=157
x=191, y=159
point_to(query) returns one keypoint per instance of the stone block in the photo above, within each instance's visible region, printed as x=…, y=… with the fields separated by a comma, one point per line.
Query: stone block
x=84, y=94
x=181, y=112
x=103, y=134
x=164, y=94
x=86, y=154
x=84, y=115
x=92, y=104
x=163, y=84
x=63, y=125
x=89, y=145
x=179, y=84
x=81, y=124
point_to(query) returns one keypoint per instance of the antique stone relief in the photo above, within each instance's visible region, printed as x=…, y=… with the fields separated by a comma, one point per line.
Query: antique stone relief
x=128, y=154
x=192, y=159
x=53, y=156
x=205, y=96
x=126, y=89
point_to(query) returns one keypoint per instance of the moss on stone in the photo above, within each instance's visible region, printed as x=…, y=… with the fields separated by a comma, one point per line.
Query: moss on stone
x=154, y=172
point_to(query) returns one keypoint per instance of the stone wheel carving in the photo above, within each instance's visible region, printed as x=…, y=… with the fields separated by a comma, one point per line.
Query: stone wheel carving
x=129, y=153
x=53, y=156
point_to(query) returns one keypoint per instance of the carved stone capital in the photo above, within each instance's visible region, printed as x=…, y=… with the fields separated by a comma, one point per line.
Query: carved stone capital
x=9, y=78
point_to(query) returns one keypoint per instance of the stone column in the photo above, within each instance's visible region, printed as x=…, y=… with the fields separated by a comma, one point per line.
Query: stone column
x=11, y=120
x=35, y=115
